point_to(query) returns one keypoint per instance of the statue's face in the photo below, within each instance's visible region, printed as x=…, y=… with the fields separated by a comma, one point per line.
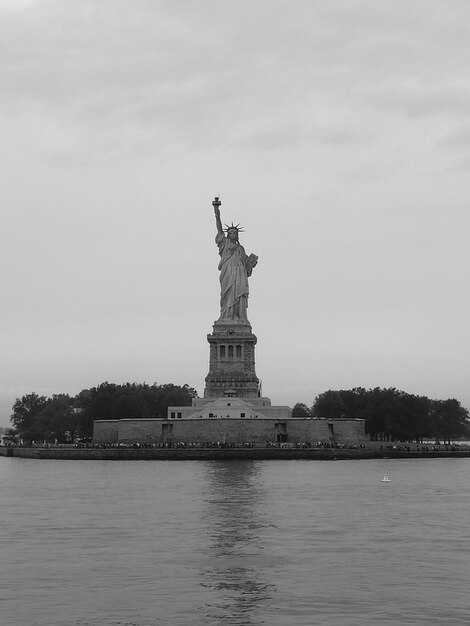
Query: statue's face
x=232, y=234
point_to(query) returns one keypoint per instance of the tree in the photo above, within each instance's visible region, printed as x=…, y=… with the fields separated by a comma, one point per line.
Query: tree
x=25, y=410
x=385, y=414
x=301, y=410
x=329, y=404
x=450, y=420
x=169, y=394
x=419, y=418
x=58, y=421
x=394, y=414
x=350, y=403
x=130, y=400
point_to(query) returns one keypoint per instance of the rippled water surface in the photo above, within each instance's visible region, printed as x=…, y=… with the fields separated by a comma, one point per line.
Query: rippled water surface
x=242, y=543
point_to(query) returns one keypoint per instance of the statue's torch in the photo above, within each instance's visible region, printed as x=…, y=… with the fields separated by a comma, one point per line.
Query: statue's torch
x=216, y=203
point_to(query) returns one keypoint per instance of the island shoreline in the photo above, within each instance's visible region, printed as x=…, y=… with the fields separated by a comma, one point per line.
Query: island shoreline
x=224, y=454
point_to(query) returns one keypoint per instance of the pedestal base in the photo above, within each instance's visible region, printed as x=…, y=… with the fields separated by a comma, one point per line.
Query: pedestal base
x=232, y=361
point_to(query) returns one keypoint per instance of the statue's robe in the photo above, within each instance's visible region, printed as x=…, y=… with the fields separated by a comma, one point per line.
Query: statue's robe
x=233, y=279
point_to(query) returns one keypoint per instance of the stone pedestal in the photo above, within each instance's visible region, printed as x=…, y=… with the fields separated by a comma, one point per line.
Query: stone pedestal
x=232, y=361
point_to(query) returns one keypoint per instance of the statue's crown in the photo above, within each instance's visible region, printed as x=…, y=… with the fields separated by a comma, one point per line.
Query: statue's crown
x=238, y=228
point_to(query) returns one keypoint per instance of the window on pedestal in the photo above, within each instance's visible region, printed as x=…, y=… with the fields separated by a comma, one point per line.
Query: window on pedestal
x=230, y=352
x=222, y=352
x=238, y=352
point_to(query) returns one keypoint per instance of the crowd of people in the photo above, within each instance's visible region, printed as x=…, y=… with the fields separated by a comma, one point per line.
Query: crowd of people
x=318, y=445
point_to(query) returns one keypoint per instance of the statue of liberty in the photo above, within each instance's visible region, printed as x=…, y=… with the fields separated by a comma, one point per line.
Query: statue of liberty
x=235, y=267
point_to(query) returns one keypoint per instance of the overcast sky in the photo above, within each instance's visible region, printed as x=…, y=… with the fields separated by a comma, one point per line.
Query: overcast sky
x=337, y=132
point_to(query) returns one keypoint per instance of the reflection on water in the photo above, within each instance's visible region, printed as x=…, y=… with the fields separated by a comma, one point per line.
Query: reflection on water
x=99, y=543
x=234, y=516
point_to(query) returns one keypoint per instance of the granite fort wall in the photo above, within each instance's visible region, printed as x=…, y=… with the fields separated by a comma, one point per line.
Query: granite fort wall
x=259, y=431
x=106, y=431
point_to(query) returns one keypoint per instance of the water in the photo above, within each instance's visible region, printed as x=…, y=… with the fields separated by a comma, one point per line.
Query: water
x=282, y=543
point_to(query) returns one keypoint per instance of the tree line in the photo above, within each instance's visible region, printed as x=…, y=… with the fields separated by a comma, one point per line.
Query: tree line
x=64, y=418
x=391, y=414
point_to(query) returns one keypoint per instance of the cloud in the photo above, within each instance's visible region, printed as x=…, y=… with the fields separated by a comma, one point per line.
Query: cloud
x=419, y=100
x=205, y=74
x=457, y=140
x=279, y=135
x=332, y=131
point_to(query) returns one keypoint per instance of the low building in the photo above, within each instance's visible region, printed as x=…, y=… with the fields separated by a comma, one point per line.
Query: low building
x=257, y=431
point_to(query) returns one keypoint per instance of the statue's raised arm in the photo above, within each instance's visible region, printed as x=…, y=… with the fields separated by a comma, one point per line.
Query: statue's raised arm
x=235, y=266
x=216, y=204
